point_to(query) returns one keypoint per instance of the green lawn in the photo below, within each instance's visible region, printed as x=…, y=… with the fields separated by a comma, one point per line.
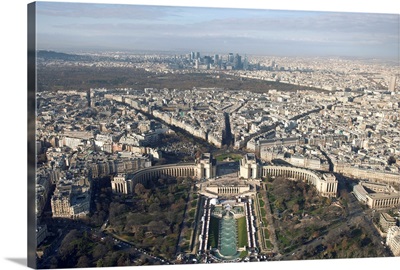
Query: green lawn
x=268, y=243
x=193, y=203
x=242, y=232
x=263, y=212
x=234, y=157
x=192, y=212
x=283, y=239
x=266, y=233
x=262, y=203
x=188, y=234
x=264, y=220
x=243, y=254
x=189, y=223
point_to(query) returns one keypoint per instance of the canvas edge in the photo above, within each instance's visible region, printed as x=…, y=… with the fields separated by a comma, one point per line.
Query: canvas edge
x=31, y=132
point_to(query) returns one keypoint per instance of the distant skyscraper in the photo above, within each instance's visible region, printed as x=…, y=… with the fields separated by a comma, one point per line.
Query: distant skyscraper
x=207, y=60
x=245, y=63
x=89, y=97
x=230, y=57
x=216, y=58
x=392, y=84
x=237, y=62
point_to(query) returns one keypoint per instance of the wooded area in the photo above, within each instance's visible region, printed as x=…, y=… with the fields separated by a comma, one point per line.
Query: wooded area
x=153, y=216
x=53, y=78
x=301, y=216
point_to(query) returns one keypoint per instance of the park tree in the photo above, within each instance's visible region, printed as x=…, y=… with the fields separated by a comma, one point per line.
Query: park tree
x=54, y=262
x=100, y=263
x=140, y=189
x=391, y=160
x=74, y=245
x=198, y=154
x=161, y=181
x=295, y=208
x=67, y=249
x=139, y=234
x=123, y=260
x=83, y=262
x=172, y=189
x=154, y=208
x=99, y=251
x=116, y=209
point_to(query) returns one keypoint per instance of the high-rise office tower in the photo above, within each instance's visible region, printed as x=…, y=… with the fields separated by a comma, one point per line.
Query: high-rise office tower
x=207, y=60
x=216, y=58
x=392, y=84
x=89, y=97
x=237, y=62
x=230, y=57
x=245, y=63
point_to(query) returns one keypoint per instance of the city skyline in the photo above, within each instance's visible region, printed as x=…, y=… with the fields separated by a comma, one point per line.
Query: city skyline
x=83, y=27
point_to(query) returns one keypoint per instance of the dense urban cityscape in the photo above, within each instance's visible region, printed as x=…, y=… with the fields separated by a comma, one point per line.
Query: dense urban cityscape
x=247, y=158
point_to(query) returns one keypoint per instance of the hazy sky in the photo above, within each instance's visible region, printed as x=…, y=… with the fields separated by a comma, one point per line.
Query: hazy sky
x=74, y=26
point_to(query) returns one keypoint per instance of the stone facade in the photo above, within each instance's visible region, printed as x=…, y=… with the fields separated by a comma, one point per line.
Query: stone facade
x=326, y=183
x=377, y=196
x=206, y=166
x=393, y=240
x=249, y=167
x=70, y=201
x=121, y=185
x=386, y=221
x=231, y=189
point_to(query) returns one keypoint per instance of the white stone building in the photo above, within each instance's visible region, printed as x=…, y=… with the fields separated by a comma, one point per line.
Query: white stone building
x=393, y=240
